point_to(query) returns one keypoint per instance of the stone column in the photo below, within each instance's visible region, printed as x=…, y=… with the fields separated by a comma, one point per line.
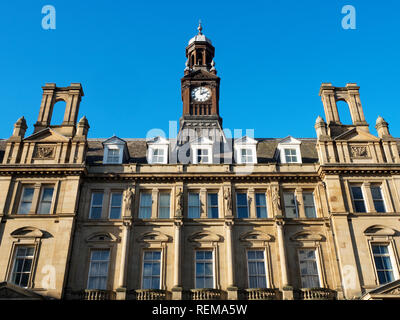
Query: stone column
x=121, y=290
x=300, y=203
x=154, y=206
x=231, y=288
x=177, y=288
x=203, y=203
x=252, y=203
x=287, y=290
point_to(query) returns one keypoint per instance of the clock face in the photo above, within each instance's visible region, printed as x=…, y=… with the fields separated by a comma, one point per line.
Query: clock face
x=200, y=94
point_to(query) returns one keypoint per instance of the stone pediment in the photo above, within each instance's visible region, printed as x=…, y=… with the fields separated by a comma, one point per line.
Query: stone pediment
x=253, y=236
x=114, y=140
x=102, y=237
x=27, y=232
x=205, y=236
x=153, y=236
x=355, y=135
x=389, y=290
x=379, y=230
x=10, y=291
x=200, y=74
x=47, y=136
x=307, y=236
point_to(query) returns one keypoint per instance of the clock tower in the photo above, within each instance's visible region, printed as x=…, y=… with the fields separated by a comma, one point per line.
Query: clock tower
x=200, y=92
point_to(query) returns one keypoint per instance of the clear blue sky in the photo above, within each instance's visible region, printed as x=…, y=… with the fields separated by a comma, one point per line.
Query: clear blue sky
x=272, y=57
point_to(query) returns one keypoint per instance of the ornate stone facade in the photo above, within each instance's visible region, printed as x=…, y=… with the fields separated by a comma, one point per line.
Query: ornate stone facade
x=310, y=223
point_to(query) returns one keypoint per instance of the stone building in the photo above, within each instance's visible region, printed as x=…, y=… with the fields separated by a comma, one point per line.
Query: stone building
x=204, y=215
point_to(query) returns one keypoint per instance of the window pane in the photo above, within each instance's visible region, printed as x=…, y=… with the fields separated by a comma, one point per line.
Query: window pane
x=145, y=206
x=25, y=207
x=261, y=205
x=383, y=263
x=308, y=268
x=290, y=204
x=97, y=199
x=194, y=205
x=26, y=200
x=358, y=199
x=308, y=199
x=98, y=270
x=241, y=199
x=212, y=201
x=151, y=270
x=256, y=269
x=241, y=205
x=260, y=199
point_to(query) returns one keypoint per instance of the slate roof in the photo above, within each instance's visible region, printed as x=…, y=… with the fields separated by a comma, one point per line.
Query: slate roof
x=137, y=150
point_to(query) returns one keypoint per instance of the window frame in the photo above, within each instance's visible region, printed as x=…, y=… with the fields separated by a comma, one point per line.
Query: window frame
x=110, y=205
x=353, y=200
x=13, y=262
x=213, y=266
x=394, y=260
x=189, y=206
x=149, y=193
x=27, y=186
x=290, y=156
x=317, y=262
x=304, y=192
x=97, y=206
x=91, y=250
x=264, y=260
x=247, y=205
x=209, y=206
x=160, y=276
x=382, y=200
x=296, y=204
x=162, y=193
x=261, y=206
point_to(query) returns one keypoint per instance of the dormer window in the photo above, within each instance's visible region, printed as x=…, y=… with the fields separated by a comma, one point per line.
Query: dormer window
x=115, y=151
x=202, y=156
x=246, y=155
x=245, y=150
x=158, y=155
x=157, y=150
x=290, y=155
x=113, y=155
x=201, y=149
x=288, y=150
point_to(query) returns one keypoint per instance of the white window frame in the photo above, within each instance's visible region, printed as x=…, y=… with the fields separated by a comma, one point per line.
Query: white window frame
x=22, y=196
x=236, y=204
x=296, y=204
x=382, y=195
x=110, y=204
x=201, y=143
x=157, y=143
x=213, y=266
x=90, y=266
x=245, y=143
x=265, y=267
x=161, y=267
x=41, y=198
x=32, y=263
x=113, y=147
x=317, y=261
x=392, y=256
x=289, y=143
x=97, y=206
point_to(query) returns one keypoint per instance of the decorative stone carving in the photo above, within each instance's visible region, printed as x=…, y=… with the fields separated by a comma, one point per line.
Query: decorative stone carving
x=128, y=199
x=276, y=199
x=359, y=151
x=228, y=199
x=44, y=152
x=179, y=203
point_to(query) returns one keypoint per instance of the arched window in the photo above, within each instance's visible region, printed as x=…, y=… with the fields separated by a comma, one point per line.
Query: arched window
x=57, y=116
x=344, y=112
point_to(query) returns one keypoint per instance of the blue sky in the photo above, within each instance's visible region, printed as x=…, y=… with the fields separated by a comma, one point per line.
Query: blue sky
x=272, y=57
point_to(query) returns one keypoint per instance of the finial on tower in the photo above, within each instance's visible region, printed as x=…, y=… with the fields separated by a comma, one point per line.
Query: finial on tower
x=200, y=27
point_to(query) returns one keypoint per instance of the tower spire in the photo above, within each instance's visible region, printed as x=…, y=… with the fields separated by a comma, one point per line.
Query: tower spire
x=200, y=27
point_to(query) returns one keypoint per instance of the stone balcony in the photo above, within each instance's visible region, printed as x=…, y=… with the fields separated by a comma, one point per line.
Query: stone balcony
x=97, y=295
x=316, y=294
x=205, y=294
x=260, y=294
x=151, y=294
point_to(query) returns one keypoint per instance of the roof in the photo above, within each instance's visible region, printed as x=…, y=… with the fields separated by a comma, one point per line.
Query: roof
x=265, y=150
